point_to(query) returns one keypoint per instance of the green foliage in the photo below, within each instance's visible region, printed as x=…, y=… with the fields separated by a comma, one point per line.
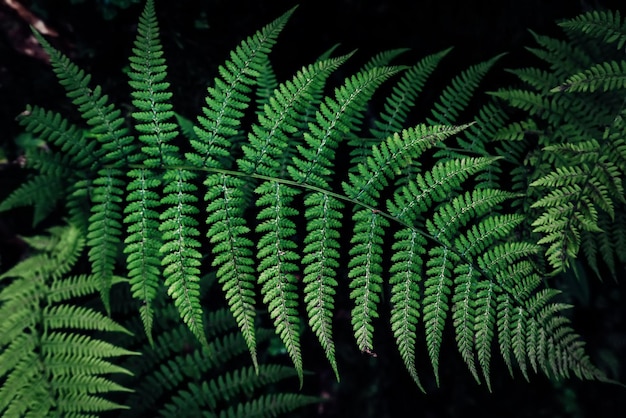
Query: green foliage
x=50, y=364
x=575, y=174
x=284, y=214
x=177, y=376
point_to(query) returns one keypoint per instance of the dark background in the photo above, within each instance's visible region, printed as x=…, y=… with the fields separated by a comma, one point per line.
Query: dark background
x=198, y=35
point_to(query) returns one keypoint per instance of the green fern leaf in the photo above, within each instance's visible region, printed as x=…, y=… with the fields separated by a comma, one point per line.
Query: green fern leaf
x=604, y=24
x=405, y=281
x=505, y=332
x=282, y=116
x=153, y=118
x=322, y=211
x=225, y=388
x=105, y=121
x=364, y=264
x=464, y=314
x=42, y=191
x=606, y=76
x=74, y=287
x=226, y=103
x=457, y=95
x=266, y=84
x=268, y=142
x=404, y=95
x=232, y=251
x=482, y=234
x=390, y=157
x=116, y=145
x=228, y=99
x=435, y=185
x=436, y=300
x=485, y=319
x=538, y=79
x=565, y=58
x=383, y=58
x=143, y=241
x=321, y=260
x=268, y=406
x=365, y=274
x=78, y=317
x=105, y=227
x=49, y=365
x=277, y=264
x=450, y=216
x=181, y=258
x=519, y=339
x=52, y=127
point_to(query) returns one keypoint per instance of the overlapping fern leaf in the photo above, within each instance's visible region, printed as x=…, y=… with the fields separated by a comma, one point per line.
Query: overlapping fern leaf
x=107, y=127
x=178, y=377
x=167, y=238
x=285, y=215
x=578, y=167
x=50, y=364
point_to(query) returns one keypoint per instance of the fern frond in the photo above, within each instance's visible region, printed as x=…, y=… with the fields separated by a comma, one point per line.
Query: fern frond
x=565, y=58
x=458, y=255
x=404, y=95
x=177, y=376
x=52, y=127
x=106, y=123
x=505, y=328
x=578, y=195
x=321, y=260
x=181, y=257
x=268, y=142
x=455, y=98
x=335, y=117
x=464, y=314
x=229, y=97
x=151, y=98
x=153, y=117
x=74, y=287
x=268, y=406
x=436, y=300
x=107, y=126
x=365, y=274
x=78, y=317
x=282, y=116
x=390, y=157
x=143, y=241
x=536, y=78
x=226, y=102
x=190, y=401
x=603, y=24
x=485, y=319
x=266, y=83
x=49, y=365
x=277, y=264
x=42, y=191
x=365, y=261
x=450, y=216
x=105, y=227
x=479, y=137
x=60, y=168
x=606, y=76
x=405, y=281
x=435, y=185
x=232, y=251
x=383, y=58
